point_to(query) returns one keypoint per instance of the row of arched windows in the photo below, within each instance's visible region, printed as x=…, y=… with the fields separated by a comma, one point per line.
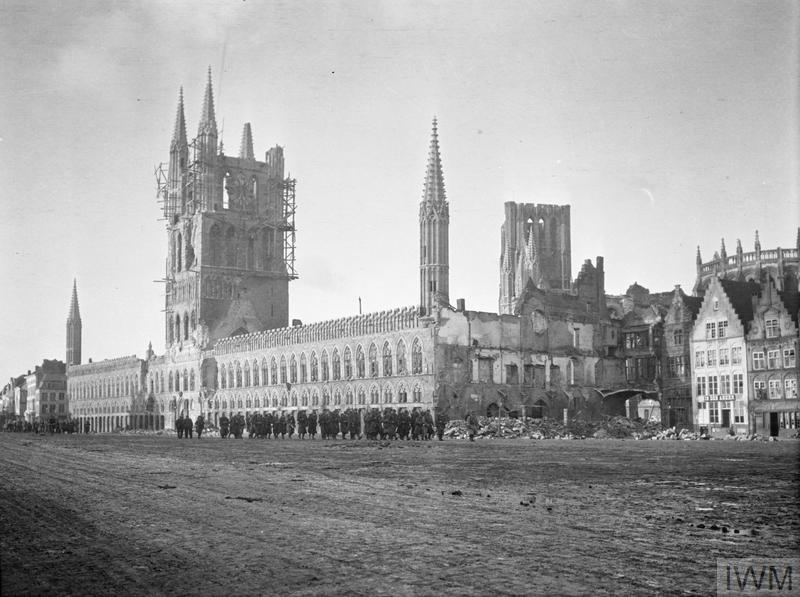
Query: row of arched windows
x=176, y=381
x=256, y=250
x=336, y=366
x=348, y=397
x=109, y=387
x=179, y=328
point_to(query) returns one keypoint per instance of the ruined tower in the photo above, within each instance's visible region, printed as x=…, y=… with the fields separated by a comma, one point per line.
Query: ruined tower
x=74, y=329
x=434, y=223
x=535, y=245
x=230, y=234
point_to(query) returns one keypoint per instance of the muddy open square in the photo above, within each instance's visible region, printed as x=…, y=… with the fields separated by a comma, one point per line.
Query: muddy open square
x=153, y=515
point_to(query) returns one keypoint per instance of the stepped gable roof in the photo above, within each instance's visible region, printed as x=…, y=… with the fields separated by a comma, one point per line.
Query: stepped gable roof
x=741, y=294
x=791, y=300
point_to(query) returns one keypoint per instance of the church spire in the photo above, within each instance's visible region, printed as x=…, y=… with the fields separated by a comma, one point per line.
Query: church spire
x=74, y=328
x=208, y=121
x=74, y=308
x=434, y=180
x=434, y=226
x=246, y=149
x=179, y=132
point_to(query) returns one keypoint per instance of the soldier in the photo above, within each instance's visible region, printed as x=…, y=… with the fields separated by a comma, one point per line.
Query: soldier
x=199, y=425
x=324, y=423
x=224, y=422
x=472, y=425
x=335, y=421
x=268, y=421
x=179, y=426
x=312, y=424
x=441, y=423
x=187, y=427
x=427, y=420
x=354, y=423
x=87, y=426
x=403, y=424
x=290, y=425
x=282, y=425
x=344, y=423
x=302, y=424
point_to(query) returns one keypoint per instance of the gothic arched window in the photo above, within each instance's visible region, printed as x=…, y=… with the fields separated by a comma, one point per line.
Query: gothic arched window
x=273, y=371
x=255, y=373
x=215, y=245
x=185, y=326
x=303, y=368
x=246, y=374
x=238, y=375
x=283, y=369
x=336, y=363
x=324, y=360
x=348, y=363
x=230, y=247
x=179, y=253
x=373, y=360
x=185, y=380
x=264, y=372
x=387, y=359
x=293, y=369
x=178, y=327
x=191, y=380
x=314, y=367
x=416, y=357
x=360, y=369
x=170, y=384
x=401, y=358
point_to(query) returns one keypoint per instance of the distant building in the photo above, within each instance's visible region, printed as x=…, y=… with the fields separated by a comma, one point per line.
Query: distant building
x=744, y=345
x=771, y=348
x=46, y=392
x=780, y=264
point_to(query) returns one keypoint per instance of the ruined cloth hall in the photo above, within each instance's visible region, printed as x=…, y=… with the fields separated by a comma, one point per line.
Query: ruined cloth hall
x=230, y=347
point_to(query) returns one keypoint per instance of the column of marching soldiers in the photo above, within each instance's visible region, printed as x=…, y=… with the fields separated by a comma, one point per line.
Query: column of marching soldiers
x=389, y=424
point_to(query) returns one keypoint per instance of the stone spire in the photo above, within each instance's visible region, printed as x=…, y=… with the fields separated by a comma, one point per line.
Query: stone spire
x=757, y=243
x=723, y=252
x=74, y=328
x=698, y=260
x=208, y=121
x=246, y=149
x=434, y=180
x=179, y=132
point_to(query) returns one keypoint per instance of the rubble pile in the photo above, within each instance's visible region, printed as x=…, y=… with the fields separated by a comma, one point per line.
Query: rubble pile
x=617, y=427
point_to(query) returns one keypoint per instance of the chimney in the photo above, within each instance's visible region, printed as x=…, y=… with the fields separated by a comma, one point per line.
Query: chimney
x=460, y=305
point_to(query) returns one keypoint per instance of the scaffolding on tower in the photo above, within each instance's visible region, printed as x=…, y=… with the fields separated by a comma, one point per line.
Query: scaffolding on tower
x=287, y=225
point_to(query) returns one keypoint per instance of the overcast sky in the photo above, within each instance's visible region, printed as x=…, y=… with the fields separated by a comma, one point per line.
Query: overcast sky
x=665, y=125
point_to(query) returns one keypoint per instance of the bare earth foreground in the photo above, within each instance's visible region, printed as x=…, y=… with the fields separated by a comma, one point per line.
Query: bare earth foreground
x=152, y=515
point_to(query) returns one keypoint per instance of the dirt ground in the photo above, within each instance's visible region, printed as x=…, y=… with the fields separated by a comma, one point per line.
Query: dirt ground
x=154, y=515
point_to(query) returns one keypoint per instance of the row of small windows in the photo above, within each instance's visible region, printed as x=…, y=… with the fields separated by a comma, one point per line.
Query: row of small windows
x=105, y=388
x=339, y=366
x=775, y=388
x=315, y=399
x=716, y=329
x=722, y=356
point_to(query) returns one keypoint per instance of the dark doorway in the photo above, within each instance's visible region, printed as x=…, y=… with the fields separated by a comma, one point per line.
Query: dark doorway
x=539, y=410
x=774, y=425
x=492, y=410
x=726, y=418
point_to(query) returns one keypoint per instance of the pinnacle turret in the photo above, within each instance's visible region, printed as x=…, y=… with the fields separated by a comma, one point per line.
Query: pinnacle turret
x=246, y=149
x=434, y=180
x=179, y=132
x=698, y=259
x=208, y=121
x=757, y=244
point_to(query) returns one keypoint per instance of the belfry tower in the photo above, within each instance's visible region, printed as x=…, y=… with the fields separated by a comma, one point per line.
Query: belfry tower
x=230, y=234
x=434, y=226
x=74, y=329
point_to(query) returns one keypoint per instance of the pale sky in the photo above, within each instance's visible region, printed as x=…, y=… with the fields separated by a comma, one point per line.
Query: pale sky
x=665, y=125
